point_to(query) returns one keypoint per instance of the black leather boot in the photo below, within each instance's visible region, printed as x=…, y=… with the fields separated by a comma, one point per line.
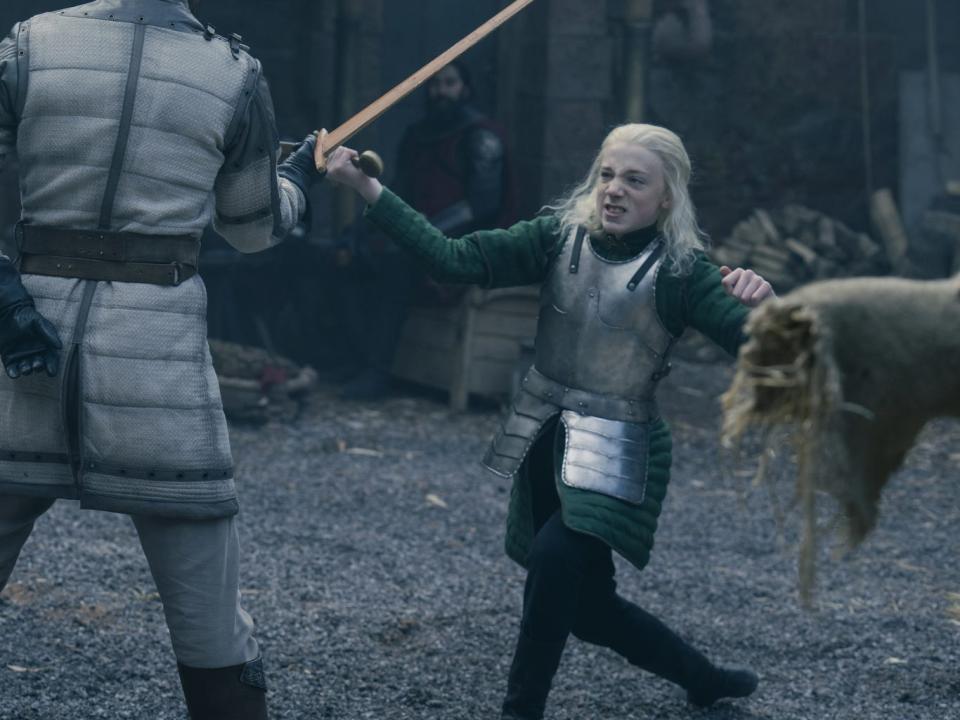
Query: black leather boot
x=238, y=692
x=649, y=644
x=722, y=683
x=531, y=674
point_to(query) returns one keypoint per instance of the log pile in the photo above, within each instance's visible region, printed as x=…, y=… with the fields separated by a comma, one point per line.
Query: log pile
x=257, y=386
x=796, y=245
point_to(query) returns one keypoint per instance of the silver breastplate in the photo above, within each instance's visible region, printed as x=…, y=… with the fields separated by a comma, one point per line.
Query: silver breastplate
x=598, y=329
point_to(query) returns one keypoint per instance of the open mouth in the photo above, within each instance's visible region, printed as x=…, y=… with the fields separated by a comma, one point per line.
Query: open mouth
x=613, y=209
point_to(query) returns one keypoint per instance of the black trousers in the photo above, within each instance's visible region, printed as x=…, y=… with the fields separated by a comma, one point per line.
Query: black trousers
x=570, y=589
x=570, y=585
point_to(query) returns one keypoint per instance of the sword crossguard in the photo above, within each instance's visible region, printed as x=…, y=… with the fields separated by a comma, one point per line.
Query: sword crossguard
x=369, y=162
x=319, y=151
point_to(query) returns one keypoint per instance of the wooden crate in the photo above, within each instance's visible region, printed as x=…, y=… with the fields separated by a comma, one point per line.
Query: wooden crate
x=473, y=347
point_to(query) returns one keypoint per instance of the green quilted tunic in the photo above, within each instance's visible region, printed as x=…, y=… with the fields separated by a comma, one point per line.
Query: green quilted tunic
x=521, y=255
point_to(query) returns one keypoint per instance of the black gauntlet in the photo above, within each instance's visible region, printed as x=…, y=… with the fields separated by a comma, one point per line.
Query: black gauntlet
x=299, y=167
x=28, y=341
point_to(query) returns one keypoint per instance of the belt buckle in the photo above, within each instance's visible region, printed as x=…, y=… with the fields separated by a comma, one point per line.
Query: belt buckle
x=177, y=273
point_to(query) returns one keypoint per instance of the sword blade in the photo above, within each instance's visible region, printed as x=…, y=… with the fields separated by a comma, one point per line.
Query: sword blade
x=378, y=107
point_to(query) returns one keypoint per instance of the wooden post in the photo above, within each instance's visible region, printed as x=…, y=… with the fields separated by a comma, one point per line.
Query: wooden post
x=460, y=381
x=886, y=221
x=359, y=24
x=636, y=58
x=560, y=119
x=349, y=17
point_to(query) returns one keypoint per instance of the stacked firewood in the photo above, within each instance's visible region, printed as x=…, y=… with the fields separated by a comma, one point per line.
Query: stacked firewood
x=256, y=385
x=795, y=245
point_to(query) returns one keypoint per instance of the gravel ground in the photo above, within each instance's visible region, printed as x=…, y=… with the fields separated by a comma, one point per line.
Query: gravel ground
x=380, y=588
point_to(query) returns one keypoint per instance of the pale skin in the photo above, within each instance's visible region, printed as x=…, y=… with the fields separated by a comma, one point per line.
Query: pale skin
x=631, y=194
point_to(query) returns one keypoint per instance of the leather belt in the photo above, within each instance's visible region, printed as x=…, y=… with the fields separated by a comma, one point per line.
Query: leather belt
x=107, y=255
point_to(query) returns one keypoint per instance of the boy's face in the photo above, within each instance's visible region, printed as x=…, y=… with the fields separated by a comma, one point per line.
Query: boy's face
x=631, y=189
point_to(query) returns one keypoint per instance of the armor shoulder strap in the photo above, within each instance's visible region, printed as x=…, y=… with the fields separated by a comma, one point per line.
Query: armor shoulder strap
x=555, y=252
x=250, y=87
x=23, y=66
x=651, y=259
x=581, y=233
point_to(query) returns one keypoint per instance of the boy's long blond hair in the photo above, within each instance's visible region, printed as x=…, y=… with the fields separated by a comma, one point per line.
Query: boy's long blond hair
x=678, y=224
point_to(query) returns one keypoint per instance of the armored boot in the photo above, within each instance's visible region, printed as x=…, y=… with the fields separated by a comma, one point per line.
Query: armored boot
x=651, y=645
x=238, y=692
x=531, y=674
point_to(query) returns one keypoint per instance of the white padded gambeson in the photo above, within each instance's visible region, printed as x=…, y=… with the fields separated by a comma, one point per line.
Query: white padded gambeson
x=150, y=401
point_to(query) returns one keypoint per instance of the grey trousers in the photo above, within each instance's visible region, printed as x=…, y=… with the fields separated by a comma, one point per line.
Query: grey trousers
x=195, y=564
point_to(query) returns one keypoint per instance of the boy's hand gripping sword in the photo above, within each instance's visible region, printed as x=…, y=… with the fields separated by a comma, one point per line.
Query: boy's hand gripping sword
x=369, y=162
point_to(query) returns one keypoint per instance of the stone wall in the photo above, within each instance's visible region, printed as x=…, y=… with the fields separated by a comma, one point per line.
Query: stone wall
x=774, y=115
x=561, y=74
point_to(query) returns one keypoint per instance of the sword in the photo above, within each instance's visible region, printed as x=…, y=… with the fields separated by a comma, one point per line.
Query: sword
x=369, y=162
